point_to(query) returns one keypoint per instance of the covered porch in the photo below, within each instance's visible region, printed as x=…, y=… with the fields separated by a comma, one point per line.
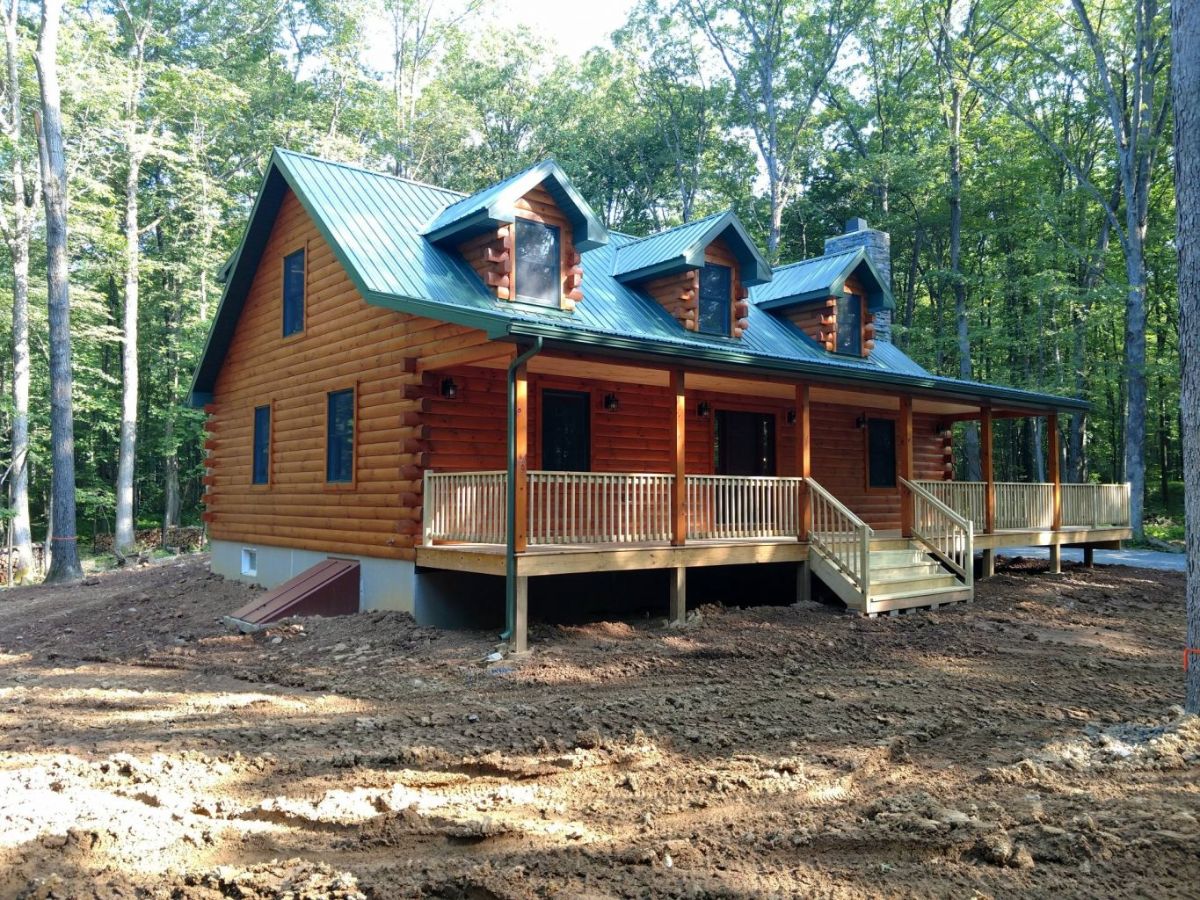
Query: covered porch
x=737, y=470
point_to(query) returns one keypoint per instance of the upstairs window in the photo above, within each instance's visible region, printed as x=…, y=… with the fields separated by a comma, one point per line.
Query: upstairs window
x=339, y=437
x=716, y=283
x=262, y=445
x=293, y=293
x=849, y=325
x=539, y=266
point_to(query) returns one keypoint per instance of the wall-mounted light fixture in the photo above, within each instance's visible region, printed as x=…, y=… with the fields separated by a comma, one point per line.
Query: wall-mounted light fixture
x=611, y=403
x=703, y=409
x=791, y=417
x=449, y=389
x=861, y=421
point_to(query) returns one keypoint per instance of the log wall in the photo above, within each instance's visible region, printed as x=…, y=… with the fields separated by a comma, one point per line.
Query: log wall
x=345, y=344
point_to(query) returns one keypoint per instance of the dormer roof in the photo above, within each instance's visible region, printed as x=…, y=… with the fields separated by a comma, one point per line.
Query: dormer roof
x=680, y=248
x=496, y=205
x=822, y=277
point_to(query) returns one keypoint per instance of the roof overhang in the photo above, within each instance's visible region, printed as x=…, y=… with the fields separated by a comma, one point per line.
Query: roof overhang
x=495, y=206
x=754, y=267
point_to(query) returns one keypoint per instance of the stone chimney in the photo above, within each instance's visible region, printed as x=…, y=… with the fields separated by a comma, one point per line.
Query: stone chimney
x=879, y=247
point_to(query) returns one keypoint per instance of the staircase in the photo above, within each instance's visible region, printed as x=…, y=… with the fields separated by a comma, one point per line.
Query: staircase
x=877, y=575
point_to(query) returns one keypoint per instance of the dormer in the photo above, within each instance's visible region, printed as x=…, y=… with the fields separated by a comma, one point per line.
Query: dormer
x=832, y=298
x=524, y=237
x=700, y=273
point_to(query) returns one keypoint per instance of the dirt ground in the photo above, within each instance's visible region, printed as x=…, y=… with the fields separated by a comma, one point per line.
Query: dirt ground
x=1028, y=743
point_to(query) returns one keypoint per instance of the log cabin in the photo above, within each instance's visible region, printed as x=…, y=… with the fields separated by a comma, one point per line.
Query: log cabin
x=445, y=387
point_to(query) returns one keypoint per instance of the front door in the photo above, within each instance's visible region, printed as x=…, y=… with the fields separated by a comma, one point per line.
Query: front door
x=745, y=443
x=566, y=431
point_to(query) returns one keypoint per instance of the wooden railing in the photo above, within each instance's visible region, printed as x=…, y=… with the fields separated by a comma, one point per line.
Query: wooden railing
x=741, y=506
x=1030, y=505
x=840, y=536
x=967, y=498
x=1096, y=505
x=464, y=506
x=946, y=534
x=599, y=508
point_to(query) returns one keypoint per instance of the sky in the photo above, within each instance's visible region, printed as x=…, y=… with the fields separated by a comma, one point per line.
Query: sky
x=572, y=26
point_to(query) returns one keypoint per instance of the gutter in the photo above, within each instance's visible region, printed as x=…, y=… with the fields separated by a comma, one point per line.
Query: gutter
x=510, y=493
x=819, y=371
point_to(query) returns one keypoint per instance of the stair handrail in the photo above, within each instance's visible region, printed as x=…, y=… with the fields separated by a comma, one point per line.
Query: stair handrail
x=840, y=536
x=946, y=534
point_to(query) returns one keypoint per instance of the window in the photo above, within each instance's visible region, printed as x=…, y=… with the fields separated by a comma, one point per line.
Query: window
x=249, y=562
x=539, y=275
x=293, y=293
x=262, y=445
x=849, y=324
x=881, y=453
x=339, y=437
x=715, y=285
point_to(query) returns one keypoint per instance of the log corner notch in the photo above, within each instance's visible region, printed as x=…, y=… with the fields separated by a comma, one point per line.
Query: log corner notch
x=678, y=294
x=491, y=255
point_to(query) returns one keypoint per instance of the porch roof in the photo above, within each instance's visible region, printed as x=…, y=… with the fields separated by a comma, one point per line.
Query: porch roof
x=377, y=227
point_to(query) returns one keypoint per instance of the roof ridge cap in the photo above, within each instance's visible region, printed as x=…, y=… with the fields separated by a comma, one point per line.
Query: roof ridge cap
x=638, y=240
x=364, y=170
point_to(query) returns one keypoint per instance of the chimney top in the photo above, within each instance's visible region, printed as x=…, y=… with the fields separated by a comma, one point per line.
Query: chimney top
x=856, y=224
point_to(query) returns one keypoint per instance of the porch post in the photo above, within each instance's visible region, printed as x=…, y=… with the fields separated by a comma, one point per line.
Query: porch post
x=803, y=457
x=1052, y=451
x=985, y=460
x=679, y=461
x=521, y=465
x=905, y=451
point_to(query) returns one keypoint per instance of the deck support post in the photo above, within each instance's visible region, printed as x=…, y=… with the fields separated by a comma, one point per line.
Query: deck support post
x=989, y=563
x=803, y=458
x=521, y=460
x=1089, y=556
x=520, y=637
x=1052, y=454
x=1055, y=559
x=803, y=582
x=678, y=614
x=679, y=461
x=986, y=464
x=904, y=449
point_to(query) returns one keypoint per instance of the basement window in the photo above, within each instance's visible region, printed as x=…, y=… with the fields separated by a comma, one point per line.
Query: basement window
x=849, y=325
x=249, y=561
x=539, y=266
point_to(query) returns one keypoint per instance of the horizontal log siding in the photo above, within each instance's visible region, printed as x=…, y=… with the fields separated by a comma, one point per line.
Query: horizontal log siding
x=345, y=343
x=839, y=460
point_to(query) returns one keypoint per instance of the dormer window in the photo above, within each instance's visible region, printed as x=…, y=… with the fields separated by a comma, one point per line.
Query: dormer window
x=714, y=307
x=539, y=263
x=849, y=325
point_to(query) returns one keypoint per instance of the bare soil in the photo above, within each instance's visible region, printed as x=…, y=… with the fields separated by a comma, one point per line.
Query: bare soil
x=1028, y=743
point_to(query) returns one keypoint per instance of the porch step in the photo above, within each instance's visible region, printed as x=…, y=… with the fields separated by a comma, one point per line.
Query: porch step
x=907, y=557
x=896, y=573
x=902, y=576
x=918, y=599
x=886, y=588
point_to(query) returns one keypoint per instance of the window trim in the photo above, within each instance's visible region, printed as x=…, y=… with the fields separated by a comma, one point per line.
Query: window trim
x=870, y=415
x=269, y=406
x=728, y=317
x=353, y=388
x=557, y=302
x=862, y=321
x=299, y=333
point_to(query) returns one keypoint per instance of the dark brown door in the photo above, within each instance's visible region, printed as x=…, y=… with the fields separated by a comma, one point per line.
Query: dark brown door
x=566, y=431
x=745, y=443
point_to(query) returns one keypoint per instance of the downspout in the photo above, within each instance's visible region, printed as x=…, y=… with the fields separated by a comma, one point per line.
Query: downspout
x=510, y=491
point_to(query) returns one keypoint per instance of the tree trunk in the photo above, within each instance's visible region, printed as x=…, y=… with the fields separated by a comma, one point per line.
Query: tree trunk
x=1135, y=379
x=64, y=564
x=125, y=536
x=1185, y=78
x=20, y=530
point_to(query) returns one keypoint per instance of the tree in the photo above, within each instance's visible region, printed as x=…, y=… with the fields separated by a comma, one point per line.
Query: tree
x=17, y=229
x=64, y=553
x=1185, y=83
x=779, y=55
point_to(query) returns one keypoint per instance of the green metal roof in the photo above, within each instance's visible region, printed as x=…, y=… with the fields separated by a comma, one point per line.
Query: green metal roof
x=681, y=248
x=495, y=206
x=375, y=224
x=821, y=277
